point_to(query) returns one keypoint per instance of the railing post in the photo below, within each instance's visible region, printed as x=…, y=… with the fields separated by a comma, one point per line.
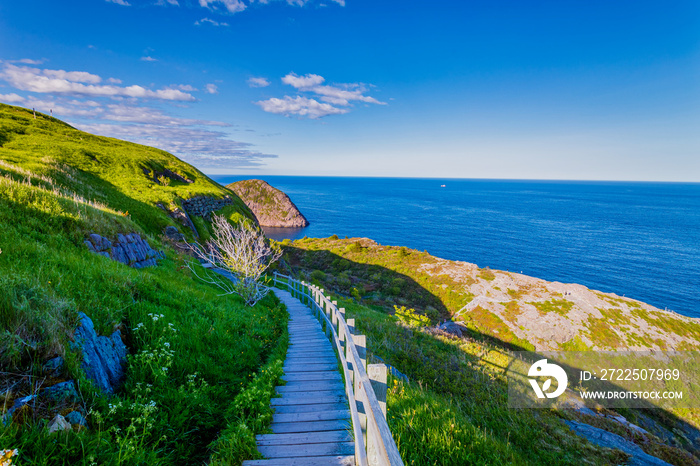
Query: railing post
x=334, y=313
x=360, y=397
x=348, y=353
x=377, y=374
x=341, y=331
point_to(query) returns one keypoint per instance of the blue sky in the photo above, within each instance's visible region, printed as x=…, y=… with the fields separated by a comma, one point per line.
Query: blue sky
x=490, y=89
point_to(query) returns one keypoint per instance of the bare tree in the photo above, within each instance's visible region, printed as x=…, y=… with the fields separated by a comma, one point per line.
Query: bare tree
x=241, y=254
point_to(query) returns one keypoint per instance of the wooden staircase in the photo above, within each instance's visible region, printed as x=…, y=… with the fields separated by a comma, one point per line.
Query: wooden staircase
x=311, y=423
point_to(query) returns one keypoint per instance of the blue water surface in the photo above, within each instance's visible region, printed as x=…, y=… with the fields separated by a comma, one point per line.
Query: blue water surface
x=641, y=240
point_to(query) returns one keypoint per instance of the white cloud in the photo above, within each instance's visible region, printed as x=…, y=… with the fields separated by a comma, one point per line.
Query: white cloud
x=119, y=2
x=300, y=106
x=232, y=6
x=333, y=98
x=148, y=58
x=114, y=81
x=11, y=98
x=258, y=82
x=338, y=96
x=201, y=147
x=303, y=82
x=210, y=21
x=340, y=2
x=211, y=89
x=29, y=61
x=134, y=114
x=184, y=87
x=74, y=83
x=75, y=76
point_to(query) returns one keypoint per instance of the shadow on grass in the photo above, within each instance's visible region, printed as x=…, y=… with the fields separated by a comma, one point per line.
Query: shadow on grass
x=459, y=378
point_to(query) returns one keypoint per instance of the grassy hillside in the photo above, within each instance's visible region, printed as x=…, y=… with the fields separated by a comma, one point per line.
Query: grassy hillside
x=511, y=308
x=201, y=365
x=127, y=177
x=454, y=410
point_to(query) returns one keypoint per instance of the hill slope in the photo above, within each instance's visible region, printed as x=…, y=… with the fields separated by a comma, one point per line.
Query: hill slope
x=456, y=403
x=200, y=365
x=128, y=177
x=509, y=307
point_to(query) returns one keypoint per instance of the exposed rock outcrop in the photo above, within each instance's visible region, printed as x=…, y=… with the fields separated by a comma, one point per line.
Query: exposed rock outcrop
x=103, y=357
x=204, y=206
x=606, y=439
x=271, y=207
x=130, y=249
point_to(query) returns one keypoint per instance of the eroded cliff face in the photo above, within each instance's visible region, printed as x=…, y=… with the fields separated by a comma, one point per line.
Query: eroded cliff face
x=525, y=311
x=271, y=207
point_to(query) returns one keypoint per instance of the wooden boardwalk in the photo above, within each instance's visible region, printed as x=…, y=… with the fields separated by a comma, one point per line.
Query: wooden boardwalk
x=311, y=423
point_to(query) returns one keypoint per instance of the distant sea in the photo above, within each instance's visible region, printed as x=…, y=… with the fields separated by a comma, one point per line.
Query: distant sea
x=640, y=240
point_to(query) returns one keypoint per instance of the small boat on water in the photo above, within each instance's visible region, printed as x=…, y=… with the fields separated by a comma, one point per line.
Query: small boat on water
x=442, y=185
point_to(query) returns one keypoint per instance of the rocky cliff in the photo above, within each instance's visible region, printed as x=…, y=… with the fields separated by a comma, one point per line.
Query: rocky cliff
x=271, y=207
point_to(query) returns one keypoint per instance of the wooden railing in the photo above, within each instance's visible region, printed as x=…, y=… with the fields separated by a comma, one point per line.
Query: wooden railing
x=365, y=386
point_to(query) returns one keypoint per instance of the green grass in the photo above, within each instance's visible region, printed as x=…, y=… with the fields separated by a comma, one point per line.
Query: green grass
x=105, y=170
x=193, y=353
x=557, y=306
x=454, y=411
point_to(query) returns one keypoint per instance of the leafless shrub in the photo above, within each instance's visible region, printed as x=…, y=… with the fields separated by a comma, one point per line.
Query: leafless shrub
x=241, y=254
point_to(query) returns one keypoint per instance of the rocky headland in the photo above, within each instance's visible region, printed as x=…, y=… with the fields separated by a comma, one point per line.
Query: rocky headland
x=271, y=207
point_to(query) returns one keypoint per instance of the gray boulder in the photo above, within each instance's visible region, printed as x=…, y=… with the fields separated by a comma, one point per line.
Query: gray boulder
x=453, y=328
x=53, y=367
x=607, y=439
x=173, y=234
x=74, y=417
x=64, y=391
x=19, y=402
x=103, y=357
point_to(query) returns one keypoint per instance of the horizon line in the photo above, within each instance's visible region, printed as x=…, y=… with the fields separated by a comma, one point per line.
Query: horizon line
x=458, y=178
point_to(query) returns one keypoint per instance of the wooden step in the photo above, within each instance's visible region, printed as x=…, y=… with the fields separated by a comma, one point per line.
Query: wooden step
x=314, y=461
x=311, y=386
x=332, y=436
x=313, y=426
x=287, y=409
x=302, y=400
x=308, y=450
x=299, y=376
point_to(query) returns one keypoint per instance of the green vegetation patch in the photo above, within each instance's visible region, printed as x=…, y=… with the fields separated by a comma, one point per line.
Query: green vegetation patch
x=489, y=323
x=558, y=306
x=487, y=274
x=602, y=334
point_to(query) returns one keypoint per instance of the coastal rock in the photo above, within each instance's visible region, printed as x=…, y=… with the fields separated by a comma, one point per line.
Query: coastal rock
x=130, y=249
x=53, y=366
x=204, y=206
x=453, y=328
x=74, y=417
x=59, y=424
x=271, y=207
x=173, y=234
x=607, y=439
x=18, y=405
x=64, y=391
x=103, y=357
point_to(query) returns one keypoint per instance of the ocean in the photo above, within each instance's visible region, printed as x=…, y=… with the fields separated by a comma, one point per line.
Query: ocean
x=636, y=239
